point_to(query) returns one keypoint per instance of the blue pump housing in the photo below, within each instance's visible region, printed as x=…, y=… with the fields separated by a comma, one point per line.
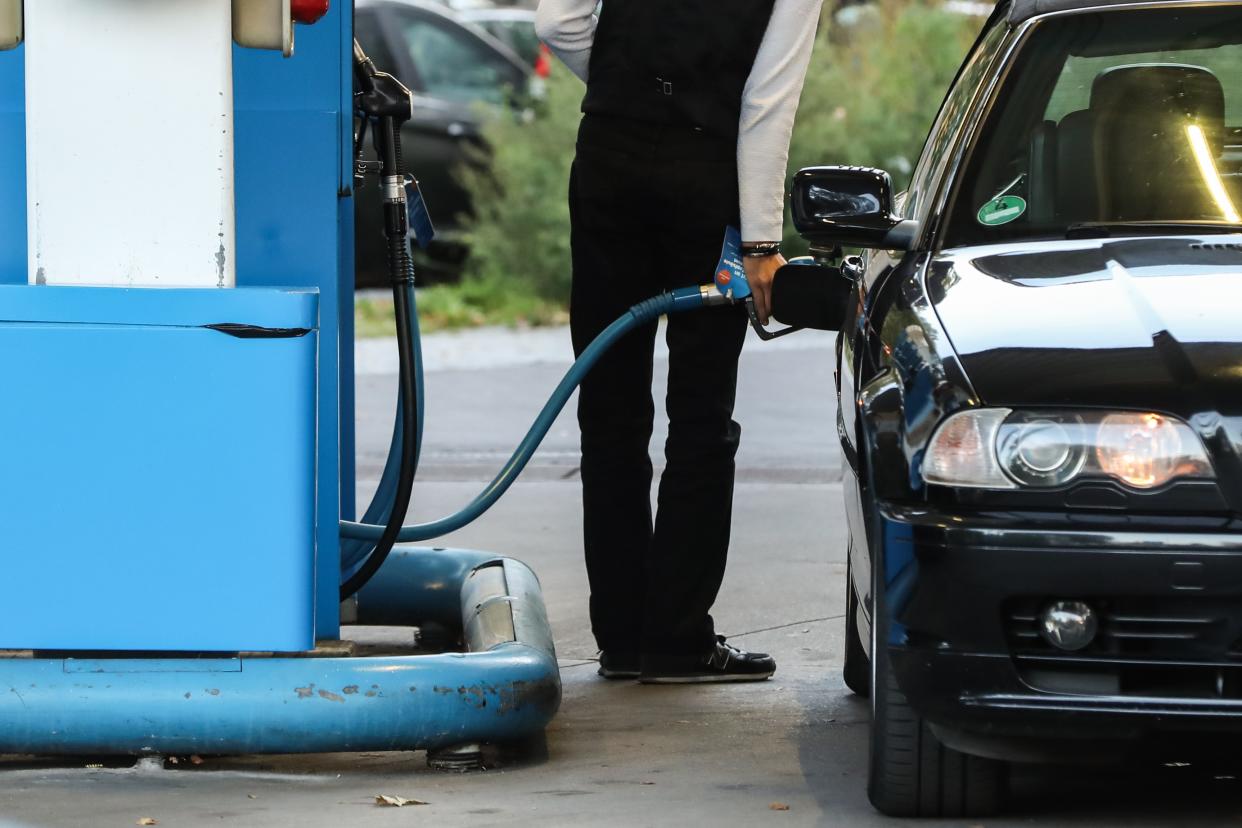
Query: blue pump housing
x=178, y=481
x=175, y=465
x=151, y=460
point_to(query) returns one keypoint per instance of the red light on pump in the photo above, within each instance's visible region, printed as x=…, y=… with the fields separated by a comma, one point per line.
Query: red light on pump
x=308, y=11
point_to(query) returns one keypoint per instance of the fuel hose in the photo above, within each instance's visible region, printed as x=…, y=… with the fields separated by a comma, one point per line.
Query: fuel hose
x=640, y=314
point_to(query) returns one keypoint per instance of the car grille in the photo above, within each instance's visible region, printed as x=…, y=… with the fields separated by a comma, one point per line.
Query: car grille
x=1162, y=629
x=1163, y=647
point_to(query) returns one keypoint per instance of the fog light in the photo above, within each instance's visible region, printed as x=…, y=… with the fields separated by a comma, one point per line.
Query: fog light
x=1068, y=625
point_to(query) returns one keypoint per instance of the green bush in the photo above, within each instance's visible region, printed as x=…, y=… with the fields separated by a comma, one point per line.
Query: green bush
x=870, y=96
x=519, y=236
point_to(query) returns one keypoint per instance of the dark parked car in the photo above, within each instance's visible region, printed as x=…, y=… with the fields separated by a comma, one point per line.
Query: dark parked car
x=514, y=27
x=452, y=68
x=1040, y=386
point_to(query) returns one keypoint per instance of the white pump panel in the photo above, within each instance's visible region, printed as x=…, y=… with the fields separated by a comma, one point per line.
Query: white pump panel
x=10, y=23
x=129, y=142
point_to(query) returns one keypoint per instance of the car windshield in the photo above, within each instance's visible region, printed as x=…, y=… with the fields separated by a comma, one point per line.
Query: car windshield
x=1122, y=121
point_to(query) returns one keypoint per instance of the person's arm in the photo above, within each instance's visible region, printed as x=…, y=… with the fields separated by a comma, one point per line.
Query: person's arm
x=568, y=28
x=769, y=104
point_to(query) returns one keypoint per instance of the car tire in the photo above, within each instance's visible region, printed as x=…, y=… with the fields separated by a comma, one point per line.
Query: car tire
x=857, y=669
x=911, y=773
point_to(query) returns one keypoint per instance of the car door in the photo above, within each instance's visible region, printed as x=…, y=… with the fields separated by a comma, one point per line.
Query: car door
x=863, y=357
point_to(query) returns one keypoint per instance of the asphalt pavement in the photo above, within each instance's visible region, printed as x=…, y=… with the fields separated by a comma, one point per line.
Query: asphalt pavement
x=790, y=751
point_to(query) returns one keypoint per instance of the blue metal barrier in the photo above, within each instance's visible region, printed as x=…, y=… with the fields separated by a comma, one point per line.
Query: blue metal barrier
x=503, y=688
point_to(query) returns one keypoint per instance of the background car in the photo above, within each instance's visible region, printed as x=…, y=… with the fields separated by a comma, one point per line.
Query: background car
x=453, y=68
x=514, y=27
x=1041, y=404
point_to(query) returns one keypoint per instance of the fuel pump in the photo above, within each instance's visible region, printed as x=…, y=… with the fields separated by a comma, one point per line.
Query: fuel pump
x=183, y=447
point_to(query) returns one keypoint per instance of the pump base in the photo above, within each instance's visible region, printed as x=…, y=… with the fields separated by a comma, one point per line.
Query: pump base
x=504, y=688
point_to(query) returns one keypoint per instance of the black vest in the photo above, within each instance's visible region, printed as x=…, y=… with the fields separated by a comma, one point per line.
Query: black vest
x=679, y=62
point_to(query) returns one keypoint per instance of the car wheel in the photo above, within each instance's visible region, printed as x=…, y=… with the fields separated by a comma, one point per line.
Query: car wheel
x=857, y=669
x=912, y=774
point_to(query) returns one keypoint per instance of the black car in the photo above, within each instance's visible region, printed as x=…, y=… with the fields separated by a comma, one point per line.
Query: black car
x=452, y=68
x=514, y=27
x=1040, y=387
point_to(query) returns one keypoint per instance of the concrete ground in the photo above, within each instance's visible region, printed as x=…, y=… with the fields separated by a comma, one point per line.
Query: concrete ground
x=791, y=751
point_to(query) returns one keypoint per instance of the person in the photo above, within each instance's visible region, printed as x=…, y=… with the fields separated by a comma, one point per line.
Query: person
x=688, y=113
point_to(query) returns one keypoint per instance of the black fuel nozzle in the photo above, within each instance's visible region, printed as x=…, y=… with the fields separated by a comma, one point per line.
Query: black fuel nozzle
x=380, y=95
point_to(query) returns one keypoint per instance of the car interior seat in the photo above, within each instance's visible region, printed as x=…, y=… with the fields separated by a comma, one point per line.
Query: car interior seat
x=1145, y=167
x=1062, y=175
x=1077, y=195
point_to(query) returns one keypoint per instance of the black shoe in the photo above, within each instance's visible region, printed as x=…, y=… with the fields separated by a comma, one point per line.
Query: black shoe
x=618, y=665
x=723, y=662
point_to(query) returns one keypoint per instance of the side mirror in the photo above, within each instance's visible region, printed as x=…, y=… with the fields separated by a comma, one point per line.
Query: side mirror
x=848, y=207
x=811, y=296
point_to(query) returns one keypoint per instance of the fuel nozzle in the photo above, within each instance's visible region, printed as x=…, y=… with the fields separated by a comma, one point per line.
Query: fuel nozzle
x=730, y=286
x=380, y=95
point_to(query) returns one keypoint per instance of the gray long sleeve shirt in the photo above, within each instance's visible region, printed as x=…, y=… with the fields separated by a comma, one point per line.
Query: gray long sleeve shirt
x=769, y=101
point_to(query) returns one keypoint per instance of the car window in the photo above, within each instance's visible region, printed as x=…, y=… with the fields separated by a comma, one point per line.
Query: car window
x=945, y=130
x=1118, y=117
x=1073, y=89
x=518, y=35
x=454, y=64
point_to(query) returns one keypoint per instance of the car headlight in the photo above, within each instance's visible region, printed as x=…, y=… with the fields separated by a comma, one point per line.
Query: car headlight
x=1040, y=450
x=998, y=448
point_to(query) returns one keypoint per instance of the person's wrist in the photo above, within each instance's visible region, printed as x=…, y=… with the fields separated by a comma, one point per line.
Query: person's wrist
x=760, y=250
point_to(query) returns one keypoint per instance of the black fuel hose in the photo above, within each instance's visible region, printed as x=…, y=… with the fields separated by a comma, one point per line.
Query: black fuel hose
x=401, y=272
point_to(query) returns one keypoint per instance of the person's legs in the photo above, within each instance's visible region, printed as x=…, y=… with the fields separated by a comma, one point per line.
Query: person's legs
x=615, y=409
x=691, y=540
x=695, y=507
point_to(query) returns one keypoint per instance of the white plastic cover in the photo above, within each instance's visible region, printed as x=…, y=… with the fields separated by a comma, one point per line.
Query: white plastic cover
x=10, y=23
x=263, y=24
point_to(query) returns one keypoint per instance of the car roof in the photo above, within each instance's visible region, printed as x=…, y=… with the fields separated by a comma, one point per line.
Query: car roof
x=433, y=6
x=493, y=13
x=445, y=13
x=1023, y=10
x=428, y=5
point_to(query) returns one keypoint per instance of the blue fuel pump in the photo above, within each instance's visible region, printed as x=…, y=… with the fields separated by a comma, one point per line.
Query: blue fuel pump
x=161, y=393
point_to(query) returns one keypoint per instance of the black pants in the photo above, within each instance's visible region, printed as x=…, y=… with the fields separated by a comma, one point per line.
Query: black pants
x=649, y=206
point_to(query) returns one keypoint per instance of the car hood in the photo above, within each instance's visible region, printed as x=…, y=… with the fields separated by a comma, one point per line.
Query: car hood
x=1148, y=323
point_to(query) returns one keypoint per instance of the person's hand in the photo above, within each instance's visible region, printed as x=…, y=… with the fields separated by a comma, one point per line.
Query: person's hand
x=760, y=270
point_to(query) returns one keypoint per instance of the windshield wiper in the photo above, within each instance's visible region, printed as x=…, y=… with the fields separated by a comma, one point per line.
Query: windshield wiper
x=1105, y=229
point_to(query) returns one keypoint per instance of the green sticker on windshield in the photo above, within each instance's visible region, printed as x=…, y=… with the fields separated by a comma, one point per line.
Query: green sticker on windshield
x=1002, y=210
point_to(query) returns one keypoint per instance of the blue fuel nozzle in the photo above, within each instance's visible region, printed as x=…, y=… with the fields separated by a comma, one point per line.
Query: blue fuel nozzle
x=729, y=285
x=730, y=278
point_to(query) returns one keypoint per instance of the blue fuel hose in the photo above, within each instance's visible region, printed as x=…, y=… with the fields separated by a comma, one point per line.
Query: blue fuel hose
x=681, y=299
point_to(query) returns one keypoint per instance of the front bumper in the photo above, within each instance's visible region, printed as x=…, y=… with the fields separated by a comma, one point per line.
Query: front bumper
x=958, y=618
